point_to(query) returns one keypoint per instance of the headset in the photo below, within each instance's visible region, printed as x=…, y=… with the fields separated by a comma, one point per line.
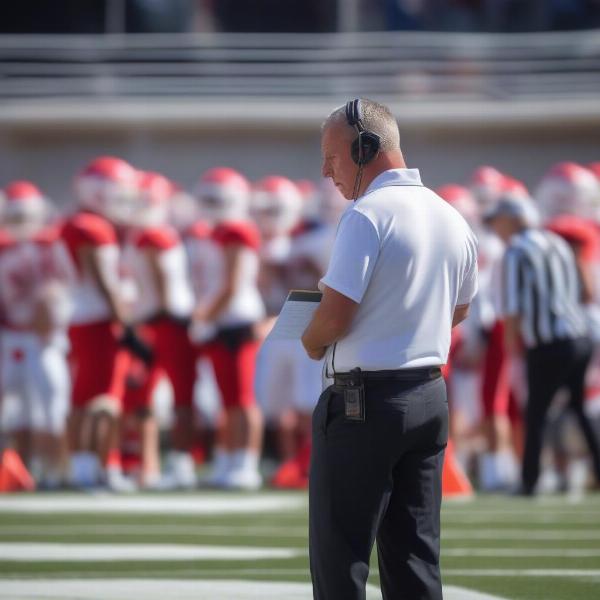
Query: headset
x=366, y=145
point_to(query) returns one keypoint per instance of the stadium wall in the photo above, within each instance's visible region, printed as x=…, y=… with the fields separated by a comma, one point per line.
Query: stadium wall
x=50, y=153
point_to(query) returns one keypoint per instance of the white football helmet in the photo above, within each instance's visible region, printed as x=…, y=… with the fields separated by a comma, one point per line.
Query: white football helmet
x=462, y=200
x=310, y=199
x=595, y=169
x=486, y=185
x=223, y=195
x=24, y=210
x=331, y=202
x=152, y=207
x=276, y=205
x=108, y=186
x=568, y=188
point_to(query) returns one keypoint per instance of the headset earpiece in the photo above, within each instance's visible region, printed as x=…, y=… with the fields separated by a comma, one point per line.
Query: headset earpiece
x=366, y=145
x=370, y=147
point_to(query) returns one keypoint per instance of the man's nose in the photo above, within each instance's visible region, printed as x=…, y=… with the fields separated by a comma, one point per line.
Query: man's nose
x=325, y=170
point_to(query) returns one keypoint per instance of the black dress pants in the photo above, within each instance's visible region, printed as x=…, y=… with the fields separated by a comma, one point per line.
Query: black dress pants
x=551, y=367
x=378, y=480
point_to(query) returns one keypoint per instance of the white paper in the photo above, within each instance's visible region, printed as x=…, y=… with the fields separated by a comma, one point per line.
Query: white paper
x=295, y=316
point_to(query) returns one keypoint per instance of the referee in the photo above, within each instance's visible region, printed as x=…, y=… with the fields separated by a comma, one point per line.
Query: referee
x=542, y=303
x=403, y=271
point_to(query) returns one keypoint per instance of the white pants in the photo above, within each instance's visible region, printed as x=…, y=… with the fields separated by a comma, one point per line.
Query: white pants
x=35, y=383
x=465, y=393
x=286, y=378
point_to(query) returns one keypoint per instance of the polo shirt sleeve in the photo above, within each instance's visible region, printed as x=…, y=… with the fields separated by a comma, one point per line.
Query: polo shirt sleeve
x=469, y=284
x=353, y=257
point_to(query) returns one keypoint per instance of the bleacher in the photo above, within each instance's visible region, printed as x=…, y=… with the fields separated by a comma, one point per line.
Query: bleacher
x=429, y=77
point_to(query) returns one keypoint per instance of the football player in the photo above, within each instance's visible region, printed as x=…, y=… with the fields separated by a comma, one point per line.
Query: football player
x=290, y=368
x=34, y=308
x=155, y=258
x=227, y=313
x=105, y=191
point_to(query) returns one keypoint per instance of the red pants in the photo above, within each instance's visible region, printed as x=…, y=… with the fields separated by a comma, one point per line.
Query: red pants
x=234, y=371
x=496, y=386
x=174, y=357
x=99, y=365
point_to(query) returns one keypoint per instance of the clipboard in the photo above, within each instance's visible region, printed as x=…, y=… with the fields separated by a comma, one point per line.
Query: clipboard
x=295, y=315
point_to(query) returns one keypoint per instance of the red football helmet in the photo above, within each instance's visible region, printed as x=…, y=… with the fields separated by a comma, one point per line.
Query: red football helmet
x=223, y=195
x=276, y=205
x=568, y=188
x=108, y=186
x=462, y=200
x=24, y=209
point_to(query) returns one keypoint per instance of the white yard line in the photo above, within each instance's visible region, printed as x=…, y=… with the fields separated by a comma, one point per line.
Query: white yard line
x=523, y=512
x=527, y=519
x=125, y=589
x=172, y=505
x=521, y=552
x=26, y=552
x=519, y=534
x=577, y=573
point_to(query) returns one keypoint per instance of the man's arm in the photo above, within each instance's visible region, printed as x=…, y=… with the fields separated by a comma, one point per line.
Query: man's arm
x=512, y=335
x=233, y=268
x=461, y=312
x=104, y=269
x=329, y=323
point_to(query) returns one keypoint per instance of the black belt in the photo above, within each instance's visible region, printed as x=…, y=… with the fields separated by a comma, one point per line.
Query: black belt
x=356, y=375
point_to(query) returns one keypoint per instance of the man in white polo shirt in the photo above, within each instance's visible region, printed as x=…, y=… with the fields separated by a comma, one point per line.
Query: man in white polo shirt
x=402, y=273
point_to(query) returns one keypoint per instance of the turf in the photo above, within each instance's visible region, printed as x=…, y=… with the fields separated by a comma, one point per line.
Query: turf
x=543, y=549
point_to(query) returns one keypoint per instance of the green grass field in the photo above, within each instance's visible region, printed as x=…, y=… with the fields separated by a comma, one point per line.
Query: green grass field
x=518, y=549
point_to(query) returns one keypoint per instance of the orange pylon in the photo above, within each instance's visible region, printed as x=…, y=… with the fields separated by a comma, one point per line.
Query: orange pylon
x=14, y=476
x=455, y=483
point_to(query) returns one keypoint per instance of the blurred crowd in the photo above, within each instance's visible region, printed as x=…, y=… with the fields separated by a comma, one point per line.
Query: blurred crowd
x=306, y=16
x=133, y=326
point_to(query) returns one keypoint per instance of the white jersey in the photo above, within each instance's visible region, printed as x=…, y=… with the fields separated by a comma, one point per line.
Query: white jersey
x=487, y=302
x=273, y=278
x=34, y=272
x=309, y=256
x=246, y=305
x=88, y=231
x=164, y=245
x=205, y=262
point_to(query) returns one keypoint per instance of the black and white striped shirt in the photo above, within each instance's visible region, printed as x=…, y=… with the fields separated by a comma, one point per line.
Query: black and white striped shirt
x=542, y=286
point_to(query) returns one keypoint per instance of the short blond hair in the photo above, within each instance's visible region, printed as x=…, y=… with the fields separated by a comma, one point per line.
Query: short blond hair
x=376, y=117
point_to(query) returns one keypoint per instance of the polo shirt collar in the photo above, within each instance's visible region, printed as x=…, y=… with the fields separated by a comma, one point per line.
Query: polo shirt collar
x=395, y=177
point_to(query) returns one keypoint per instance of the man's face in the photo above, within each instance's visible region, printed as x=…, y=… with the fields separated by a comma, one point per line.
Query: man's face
x=503, y=226
x=337, y=162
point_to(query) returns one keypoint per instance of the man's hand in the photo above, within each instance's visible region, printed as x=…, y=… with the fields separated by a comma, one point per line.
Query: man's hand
x=329, y=323
x=316, y=354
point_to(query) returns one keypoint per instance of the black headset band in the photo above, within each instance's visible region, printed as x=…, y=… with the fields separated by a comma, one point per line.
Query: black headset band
x=354, y=114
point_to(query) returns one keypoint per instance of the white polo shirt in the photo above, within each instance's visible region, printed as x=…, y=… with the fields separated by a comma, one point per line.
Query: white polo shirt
x=408, y=258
